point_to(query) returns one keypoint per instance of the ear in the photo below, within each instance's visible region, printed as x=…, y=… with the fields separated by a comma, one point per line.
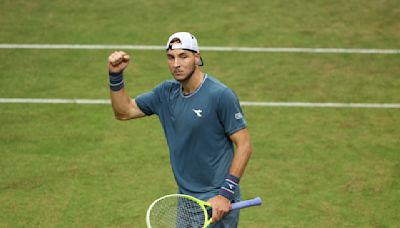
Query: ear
x=197, y=59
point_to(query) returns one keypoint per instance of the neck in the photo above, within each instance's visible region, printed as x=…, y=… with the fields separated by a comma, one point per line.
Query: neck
x=193, y=82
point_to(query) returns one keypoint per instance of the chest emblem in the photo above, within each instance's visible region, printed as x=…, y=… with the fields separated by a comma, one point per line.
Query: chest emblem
x=198, y=112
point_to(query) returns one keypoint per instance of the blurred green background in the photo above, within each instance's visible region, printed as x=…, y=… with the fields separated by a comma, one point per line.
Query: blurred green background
x=69, y=165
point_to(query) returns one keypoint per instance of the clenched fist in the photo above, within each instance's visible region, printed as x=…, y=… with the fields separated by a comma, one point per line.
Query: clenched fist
x=118, y=61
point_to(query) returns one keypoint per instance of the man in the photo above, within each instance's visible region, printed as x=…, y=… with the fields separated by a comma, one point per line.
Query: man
x=202, y=120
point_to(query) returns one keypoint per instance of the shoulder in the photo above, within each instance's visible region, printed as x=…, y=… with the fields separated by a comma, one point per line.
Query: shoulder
x=169, y=84
x=219, y=89
x=166, y=86
x=215, y=87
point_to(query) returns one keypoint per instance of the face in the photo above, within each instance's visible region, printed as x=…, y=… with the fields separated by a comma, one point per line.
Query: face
x=182, y=63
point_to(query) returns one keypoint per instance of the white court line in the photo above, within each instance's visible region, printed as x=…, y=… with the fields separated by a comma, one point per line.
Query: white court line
x=53, y=101
x=204, y=48
x=319, y=105
x=244, y=103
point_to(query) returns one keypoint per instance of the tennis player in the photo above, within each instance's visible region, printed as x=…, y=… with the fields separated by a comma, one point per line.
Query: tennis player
x=202, y=121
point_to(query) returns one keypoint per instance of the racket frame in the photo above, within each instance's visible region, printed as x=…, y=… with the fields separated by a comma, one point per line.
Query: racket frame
x=202, y=204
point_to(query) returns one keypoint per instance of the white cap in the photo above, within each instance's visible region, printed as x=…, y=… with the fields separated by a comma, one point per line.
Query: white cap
x=188, y=42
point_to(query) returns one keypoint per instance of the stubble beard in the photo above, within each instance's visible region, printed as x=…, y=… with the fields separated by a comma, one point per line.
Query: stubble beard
x=187, y=77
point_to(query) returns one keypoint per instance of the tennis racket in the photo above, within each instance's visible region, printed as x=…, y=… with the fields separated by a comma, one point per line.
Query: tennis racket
x=184, y=211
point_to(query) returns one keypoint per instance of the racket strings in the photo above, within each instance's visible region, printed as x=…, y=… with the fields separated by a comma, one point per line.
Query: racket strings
x=177, y=212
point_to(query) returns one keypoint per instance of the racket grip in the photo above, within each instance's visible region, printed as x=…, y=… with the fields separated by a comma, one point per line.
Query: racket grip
x=247, y=203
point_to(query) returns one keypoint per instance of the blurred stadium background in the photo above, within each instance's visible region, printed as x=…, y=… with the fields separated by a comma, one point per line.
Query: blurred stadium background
x=73, y=165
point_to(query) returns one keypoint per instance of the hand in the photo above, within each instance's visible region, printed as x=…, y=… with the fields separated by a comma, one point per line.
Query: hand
x=220, y=206
x=118, y=61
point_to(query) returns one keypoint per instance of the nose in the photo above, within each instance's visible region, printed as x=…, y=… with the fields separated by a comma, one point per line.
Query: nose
x=176, y=63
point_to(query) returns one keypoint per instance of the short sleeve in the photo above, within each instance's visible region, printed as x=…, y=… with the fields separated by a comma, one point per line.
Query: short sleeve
x=150, y=102
x=230, y=113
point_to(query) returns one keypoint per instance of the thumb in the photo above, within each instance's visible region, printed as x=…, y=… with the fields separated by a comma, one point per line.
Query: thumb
x=125, y=58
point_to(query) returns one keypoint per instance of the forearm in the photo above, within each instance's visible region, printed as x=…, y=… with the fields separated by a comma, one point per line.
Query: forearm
x=221, y=202
x=240, y=159
x=239, y=163
x=123, y=105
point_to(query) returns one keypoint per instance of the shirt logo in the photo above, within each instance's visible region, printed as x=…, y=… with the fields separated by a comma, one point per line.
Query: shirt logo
x=198, y=112
x=238, y=116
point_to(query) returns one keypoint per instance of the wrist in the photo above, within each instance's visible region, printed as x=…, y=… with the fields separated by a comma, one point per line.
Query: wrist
x=116, y=80
x=229, y=187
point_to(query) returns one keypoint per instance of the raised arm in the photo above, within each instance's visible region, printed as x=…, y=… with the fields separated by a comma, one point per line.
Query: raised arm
x=124, y=106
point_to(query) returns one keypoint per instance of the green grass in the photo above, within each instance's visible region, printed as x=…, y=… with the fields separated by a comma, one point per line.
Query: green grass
x=75, y=169
x=327, y=168
x=312, y=167
x=71, y=165
x=253, y=76
x=273, y=23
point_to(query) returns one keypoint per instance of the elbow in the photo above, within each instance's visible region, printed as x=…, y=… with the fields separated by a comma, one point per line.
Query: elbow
x=121, y=117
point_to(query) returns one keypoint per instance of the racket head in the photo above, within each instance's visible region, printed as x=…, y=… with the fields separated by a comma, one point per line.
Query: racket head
x=178, y=210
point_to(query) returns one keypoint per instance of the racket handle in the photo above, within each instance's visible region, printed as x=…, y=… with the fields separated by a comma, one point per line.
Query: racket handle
x=247, y=203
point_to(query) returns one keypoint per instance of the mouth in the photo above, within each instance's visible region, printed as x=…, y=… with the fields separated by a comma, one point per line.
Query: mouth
x=178, y=73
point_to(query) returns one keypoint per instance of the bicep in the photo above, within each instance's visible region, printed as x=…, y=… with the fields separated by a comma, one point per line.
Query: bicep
x=149, y=103
x=241, y=138
x=132, y=111
x=136, y=111
x=243, y=152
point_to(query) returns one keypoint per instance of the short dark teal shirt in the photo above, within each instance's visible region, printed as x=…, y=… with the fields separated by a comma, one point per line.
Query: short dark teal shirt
x=197, y=128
